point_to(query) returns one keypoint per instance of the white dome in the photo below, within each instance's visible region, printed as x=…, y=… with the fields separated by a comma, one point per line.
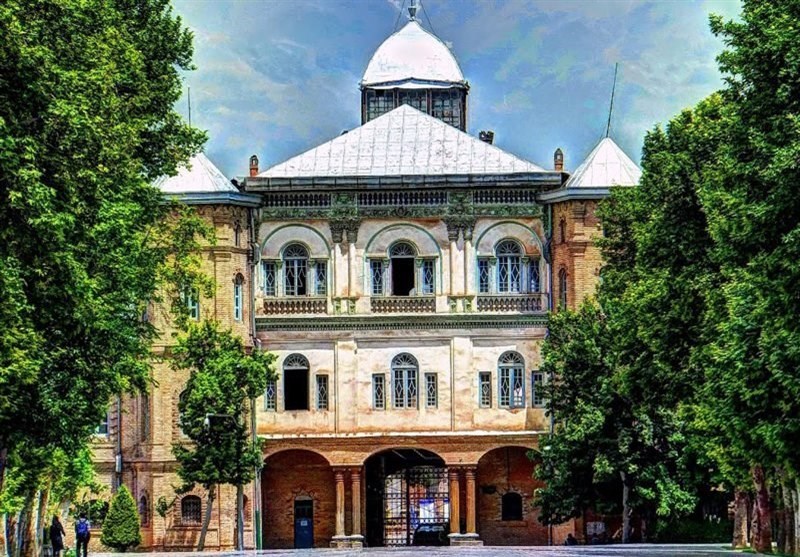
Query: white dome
x=413, y=58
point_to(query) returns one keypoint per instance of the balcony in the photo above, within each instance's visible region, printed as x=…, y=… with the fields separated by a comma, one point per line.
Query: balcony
x=296, y=305
x=513, y=303
x=403, y=304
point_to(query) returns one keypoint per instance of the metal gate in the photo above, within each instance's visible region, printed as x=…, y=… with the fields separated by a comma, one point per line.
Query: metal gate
x=416, y=505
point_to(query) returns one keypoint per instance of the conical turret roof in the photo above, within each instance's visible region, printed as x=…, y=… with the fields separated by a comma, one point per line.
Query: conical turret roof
x=200, y=175
x=606, y=166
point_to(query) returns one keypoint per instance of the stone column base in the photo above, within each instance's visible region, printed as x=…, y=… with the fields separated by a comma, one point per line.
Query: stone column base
x=464, y=540
x=347, y=542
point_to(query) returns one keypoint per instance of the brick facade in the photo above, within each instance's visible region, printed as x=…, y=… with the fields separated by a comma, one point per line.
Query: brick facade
x=575, y=229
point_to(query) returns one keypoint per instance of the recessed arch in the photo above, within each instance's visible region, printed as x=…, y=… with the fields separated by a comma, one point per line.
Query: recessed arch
x=378, y=244
x=489, y=238
x=273, y=244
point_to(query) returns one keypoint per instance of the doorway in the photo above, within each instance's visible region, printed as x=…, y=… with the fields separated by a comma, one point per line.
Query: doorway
x=303, y=523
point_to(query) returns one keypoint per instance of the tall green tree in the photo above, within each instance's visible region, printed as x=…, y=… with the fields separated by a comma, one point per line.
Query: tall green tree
x=87, y=89
x=223, y=379
x=121, y=526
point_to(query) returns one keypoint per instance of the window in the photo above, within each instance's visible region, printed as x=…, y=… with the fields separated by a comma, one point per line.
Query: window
x=237, y=234
x=270, y=395
x=268, y=278
x=431, y=391
x=512, y=506
x=378, y=103
x=182, y=399
x=511, y=383
x=418, y=99
x=379, y=392
x=295, y=382
x=404, y=381
x=102, y=427
x=295, y=265
x=237, y=297
x=562, y=288
x=483, y=276
x=537, y=383
x=534, y=276
x=562, y=231
x=191, y=297
x=322, y=392
x=447, y=107
x=144, y=513
x=485, y=389
x=428, y=276
x=321, y=278
x=144, y=417
x=402, y=268
x=376, y=270
x=509, y=271
x=191, y=510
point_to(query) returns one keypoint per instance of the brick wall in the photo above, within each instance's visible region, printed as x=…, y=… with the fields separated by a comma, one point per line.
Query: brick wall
x=574, y=250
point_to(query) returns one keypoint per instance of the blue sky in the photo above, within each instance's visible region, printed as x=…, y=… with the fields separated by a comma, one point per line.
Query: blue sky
x=278, y=77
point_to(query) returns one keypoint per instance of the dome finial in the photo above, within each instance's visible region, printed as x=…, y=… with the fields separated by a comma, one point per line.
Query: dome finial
x=412, y=10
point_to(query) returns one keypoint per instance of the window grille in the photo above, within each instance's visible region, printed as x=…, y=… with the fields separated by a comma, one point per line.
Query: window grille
x=485, y=389
x=417, y=99
x=404, y=381
x=511, y=383
x=402, y=249
x=237, y=298
x=427, y=276
x=268, y=278
x=377, y=274
x=378, y=392
x=534, y=278
x=322, y=278
x=447, y=107
x=537, y=396
x=270, y=395
x=509, y=272
x=483, y=276
x=191, y=510
x=378, y=103
x=322, y=392
x=431, y=390
x=295, y=261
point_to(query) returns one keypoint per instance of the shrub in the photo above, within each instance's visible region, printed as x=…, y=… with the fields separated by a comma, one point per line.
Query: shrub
x=121, y=526
x=690, y=530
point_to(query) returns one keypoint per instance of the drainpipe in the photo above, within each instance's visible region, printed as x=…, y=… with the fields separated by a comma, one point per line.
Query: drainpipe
x=118, y=456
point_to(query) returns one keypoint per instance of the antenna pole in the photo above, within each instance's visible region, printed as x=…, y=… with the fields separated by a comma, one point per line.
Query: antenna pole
x=189, y=101
x=611, y=106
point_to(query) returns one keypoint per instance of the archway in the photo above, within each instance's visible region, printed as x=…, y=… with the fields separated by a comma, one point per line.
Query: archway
x=298, y=500
x=407, y=499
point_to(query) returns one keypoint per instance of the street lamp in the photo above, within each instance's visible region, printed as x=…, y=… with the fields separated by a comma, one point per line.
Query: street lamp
x=207, y=419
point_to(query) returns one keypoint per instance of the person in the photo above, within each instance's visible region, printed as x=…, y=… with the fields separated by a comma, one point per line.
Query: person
x=82, y=535
x=57, y=536
x=571, y=540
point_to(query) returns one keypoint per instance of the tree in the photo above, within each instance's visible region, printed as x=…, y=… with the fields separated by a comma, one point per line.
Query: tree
x=223, y=379
x=121, y=526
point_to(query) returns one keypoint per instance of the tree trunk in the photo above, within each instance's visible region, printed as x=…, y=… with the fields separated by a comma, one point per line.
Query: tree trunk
x=741, y=502
x=787, y=543
x=626, y=512
x=762, y=533
x=796, y=518
x=201, y=543
x=3, y=457
x=240, y=517
x=41, y=520
x=11, y=538
x=24, y=537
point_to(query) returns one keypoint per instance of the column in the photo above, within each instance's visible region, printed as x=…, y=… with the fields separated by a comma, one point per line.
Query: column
x=469, y=262
x=351, y=269
x=355, y=486
x=455, y=513
x=339, y=477
x=452, y=235
x=470, y=476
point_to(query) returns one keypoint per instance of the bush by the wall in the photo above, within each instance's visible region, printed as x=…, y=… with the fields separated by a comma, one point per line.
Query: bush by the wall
x=690, y=530
x=121, y=527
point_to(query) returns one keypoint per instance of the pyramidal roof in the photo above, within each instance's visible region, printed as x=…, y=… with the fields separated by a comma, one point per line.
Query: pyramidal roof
x=200, y=175
x=607, y=165
x=413, y=57
x=403, y=142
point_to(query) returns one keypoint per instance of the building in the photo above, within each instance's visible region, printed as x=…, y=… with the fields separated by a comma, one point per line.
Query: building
x=403, y=273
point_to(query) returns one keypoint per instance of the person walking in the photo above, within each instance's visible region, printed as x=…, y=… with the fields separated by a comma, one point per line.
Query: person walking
x=82, y=535
x=57, y=536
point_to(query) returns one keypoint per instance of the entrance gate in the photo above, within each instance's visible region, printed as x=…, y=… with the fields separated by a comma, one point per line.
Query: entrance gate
x=303, y=523
x=417, y=507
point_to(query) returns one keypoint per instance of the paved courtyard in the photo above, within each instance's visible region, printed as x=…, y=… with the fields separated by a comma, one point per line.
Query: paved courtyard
x=636, y=550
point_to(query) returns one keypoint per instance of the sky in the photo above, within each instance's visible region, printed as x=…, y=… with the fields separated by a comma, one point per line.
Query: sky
x=278, y=77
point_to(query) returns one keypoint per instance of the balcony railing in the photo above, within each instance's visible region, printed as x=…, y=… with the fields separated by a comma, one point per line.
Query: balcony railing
x=512, y=303
x=296, y=305
x=403, y=304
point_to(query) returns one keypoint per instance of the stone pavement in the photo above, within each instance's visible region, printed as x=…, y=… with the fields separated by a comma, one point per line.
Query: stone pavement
x=634, y=550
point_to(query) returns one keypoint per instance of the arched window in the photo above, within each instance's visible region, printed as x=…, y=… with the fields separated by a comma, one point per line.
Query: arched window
x=144, y=417
x=144, y=512
x=295, y=270
x=401, y=264
x=191, y=507
x=295, y=382
x=238, y=297
x=511, y=380
x=404, y=273
x=512, y=506
x=404, y=381
x=237, y=234
x=182, y=399
x=509, y=266
x=562, y=288
x=562, y=231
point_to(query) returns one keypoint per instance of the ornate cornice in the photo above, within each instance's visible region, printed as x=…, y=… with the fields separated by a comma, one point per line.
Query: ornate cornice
x=400, y=322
